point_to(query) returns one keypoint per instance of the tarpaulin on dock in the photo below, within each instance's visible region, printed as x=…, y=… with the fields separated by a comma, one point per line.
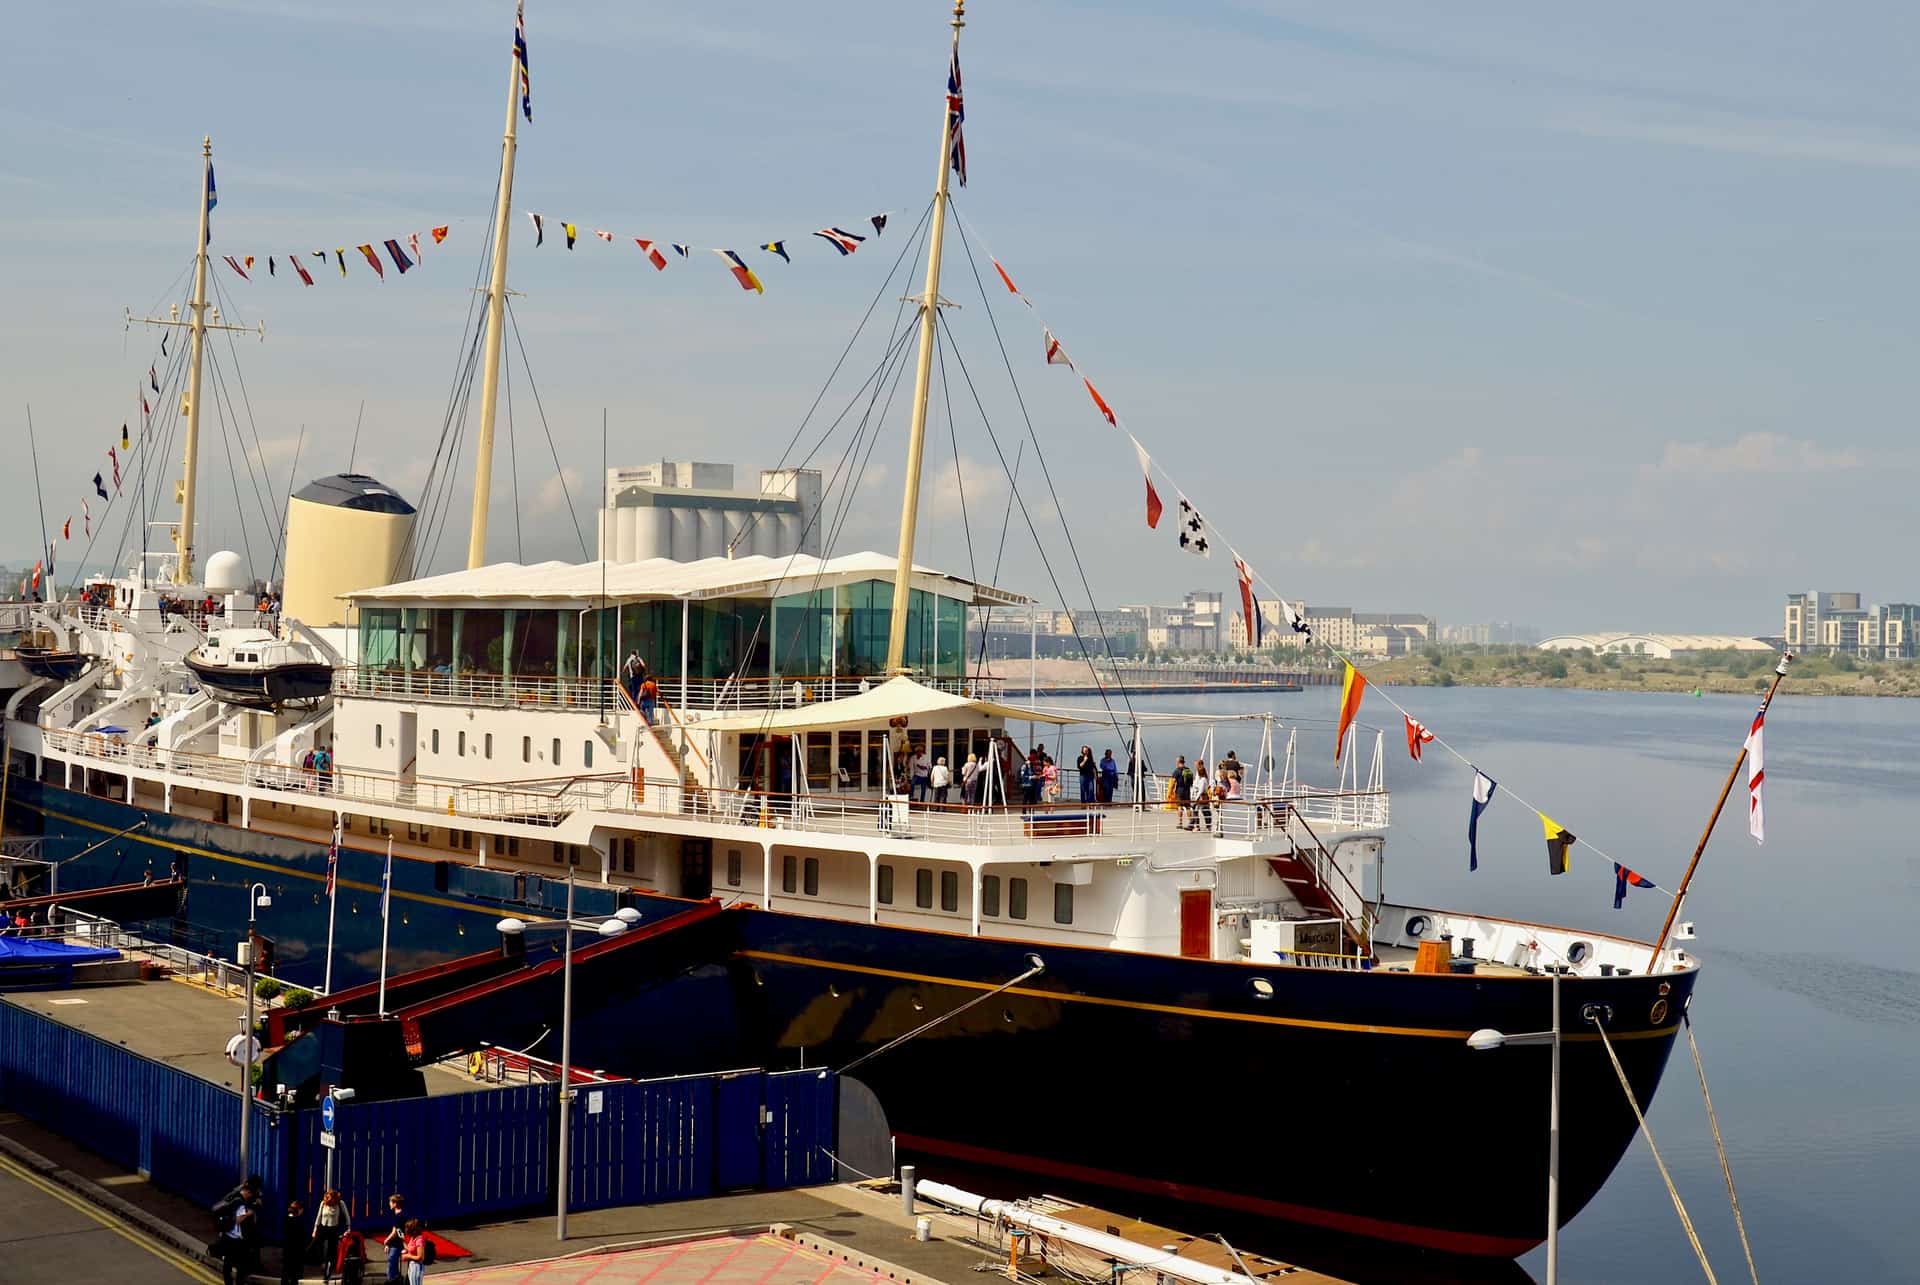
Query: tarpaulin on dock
x=31, y=950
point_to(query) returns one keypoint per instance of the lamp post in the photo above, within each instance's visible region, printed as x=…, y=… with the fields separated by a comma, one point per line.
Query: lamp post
x=1484, y=1039
x=610, y=926
x=257, y=899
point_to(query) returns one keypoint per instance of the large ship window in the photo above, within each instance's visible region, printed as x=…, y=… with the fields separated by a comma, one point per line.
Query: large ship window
x=811, y=883
x=990, y=895
x=573, y=854
x=789, y=873
x=526, y=749
x=556, y=853
x=883, y=886
x=376, y=736
x=460, y=744
x=486, y=743
x=923, y=889
x=434, y=738
x=1063, y=903
x=950, y=890
x=556, y=751
x=733, y=867
x=1017, y=898
x=586, y=755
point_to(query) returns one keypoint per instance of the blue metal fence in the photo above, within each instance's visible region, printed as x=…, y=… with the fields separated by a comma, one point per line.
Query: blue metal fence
x=458, y=1156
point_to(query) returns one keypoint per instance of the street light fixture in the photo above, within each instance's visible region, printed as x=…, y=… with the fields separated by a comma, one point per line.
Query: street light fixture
x=257, y=899
x=610, y=926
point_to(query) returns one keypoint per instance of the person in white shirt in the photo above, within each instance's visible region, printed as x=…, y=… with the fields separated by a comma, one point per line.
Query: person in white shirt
x=920, y=772
x=942, y=779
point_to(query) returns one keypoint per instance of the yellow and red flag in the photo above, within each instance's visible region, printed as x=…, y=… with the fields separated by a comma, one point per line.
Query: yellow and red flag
x=1352, y=688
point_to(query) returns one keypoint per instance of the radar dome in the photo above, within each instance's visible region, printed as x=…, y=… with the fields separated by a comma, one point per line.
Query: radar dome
x=225, y=573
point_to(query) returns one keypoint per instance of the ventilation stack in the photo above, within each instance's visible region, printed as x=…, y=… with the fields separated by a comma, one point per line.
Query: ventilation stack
x=344, y=532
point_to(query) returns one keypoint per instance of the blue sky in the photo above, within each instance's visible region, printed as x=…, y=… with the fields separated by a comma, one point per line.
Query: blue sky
x=1587, y=318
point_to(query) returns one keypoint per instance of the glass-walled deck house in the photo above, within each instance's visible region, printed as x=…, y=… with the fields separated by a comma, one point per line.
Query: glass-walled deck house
x=710, y=623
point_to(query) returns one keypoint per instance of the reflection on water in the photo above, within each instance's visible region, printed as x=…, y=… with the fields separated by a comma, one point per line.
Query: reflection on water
x=1808, y=1005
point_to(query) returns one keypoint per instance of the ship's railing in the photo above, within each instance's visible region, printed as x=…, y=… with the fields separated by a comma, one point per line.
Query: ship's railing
x=199, y=966
x=16, y=617
x=1347, y=809
x=548, y=692
x=939, y=823
x=544, y=803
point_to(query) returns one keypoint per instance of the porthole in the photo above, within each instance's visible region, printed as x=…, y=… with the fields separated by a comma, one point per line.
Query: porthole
x=1260, y=988
x=1578, y=951
x=1417, y=925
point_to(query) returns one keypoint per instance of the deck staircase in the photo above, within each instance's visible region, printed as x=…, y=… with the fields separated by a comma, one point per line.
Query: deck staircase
x=660, y=732
x=1315, y=878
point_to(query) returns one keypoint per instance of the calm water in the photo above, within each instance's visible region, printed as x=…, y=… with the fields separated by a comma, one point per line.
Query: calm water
x=1808, y=1005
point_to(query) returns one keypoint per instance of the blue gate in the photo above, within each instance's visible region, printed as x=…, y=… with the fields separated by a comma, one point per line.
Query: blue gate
x=456, y=1156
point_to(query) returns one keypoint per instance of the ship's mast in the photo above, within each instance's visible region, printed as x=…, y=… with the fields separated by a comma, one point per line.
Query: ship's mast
x=917, y=437
x=197, y=328
x=201, y=317
x=496, y=319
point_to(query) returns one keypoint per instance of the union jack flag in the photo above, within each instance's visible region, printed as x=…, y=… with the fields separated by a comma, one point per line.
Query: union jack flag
x=956, y=115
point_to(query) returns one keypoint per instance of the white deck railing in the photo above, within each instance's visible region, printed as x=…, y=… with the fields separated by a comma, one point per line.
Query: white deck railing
x=539, y=691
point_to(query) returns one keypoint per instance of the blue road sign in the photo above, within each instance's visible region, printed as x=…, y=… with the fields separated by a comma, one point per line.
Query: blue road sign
x=326, y=1113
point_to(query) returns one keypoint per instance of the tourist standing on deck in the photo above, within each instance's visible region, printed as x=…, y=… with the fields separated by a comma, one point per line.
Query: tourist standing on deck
x=1109, y=777
x=942, y=781
x=1089, y=768
x=1183, y=790
x=920, y=772
x=970, y=780
x=329, y=1223
x=1202, y=797
x=649, y=697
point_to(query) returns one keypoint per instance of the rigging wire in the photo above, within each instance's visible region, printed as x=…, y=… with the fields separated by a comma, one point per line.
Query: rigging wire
x=1106, y=642
x=1039, y=545
x=513, y=461
x=959, y=477
x=566, y=491
x=246, y=401
x=1693, y=1237
x=1720, y=1147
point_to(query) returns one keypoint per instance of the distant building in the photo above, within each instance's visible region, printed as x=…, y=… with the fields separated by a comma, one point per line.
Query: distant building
x=1492, y=633
x=1654, y=646
x=1838, y=624
x=686, y=510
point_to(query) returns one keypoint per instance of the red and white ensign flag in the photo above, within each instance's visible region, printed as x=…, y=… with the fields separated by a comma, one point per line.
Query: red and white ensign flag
x=1417, y=736
x=1154, y=507
x=1056, y=355
x=1756, y=774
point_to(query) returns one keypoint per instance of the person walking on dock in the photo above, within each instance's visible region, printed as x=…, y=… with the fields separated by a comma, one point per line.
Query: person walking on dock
x=238, y=1217
x=397, y=1238
x=294, y=1242
x=329, y=1223
x=413, y=1251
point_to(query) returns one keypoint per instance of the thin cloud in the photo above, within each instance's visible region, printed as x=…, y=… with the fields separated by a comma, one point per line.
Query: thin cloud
x=1747, y=136
x=1754, y=453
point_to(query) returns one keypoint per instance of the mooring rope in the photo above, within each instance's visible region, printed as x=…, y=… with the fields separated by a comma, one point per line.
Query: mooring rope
x=1037, y=969
x=1679, y=1206
x=1726, y=1170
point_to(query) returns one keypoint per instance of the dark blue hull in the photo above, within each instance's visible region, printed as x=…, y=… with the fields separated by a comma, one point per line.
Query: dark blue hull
x=1344, y=1100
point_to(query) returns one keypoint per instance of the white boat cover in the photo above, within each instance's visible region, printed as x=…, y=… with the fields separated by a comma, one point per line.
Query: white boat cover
x=894, y=698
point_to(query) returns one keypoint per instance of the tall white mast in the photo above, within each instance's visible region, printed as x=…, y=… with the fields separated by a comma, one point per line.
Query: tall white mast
x=197, y=324
x=922, y=380
x=197, y=327
x=496, y=319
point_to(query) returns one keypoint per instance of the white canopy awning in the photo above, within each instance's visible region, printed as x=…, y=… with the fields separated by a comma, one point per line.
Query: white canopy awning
x=895, y=698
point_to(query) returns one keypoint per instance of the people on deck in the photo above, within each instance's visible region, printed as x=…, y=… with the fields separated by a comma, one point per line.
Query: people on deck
x=1181, y=784
x=1089, y=769
x=970, y=781
x=1202, y=797
x=942, y=780
x=1050, y=775
x=632, y=674
x=1109, y=777
x=649, y=698
x=920, y=773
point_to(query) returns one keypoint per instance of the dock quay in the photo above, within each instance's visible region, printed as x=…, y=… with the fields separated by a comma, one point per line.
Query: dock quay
x=121, y=1095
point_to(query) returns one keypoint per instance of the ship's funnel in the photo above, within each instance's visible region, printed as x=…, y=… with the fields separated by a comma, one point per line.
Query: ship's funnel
x=344, y=532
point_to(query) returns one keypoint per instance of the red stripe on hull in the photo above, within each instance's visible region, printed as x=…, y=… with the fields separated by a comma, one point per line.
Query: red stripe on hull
x=1451, y=1242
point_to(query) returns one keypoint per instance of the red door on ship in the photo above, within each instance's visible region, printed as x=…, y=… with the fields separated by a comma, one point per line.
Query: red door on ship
x=1196, y=923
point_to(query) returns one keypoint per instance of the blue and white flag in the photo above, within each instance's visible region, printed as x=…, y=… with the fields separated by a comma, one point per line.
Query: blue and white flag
x=386, y=884
x=1483, y=788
